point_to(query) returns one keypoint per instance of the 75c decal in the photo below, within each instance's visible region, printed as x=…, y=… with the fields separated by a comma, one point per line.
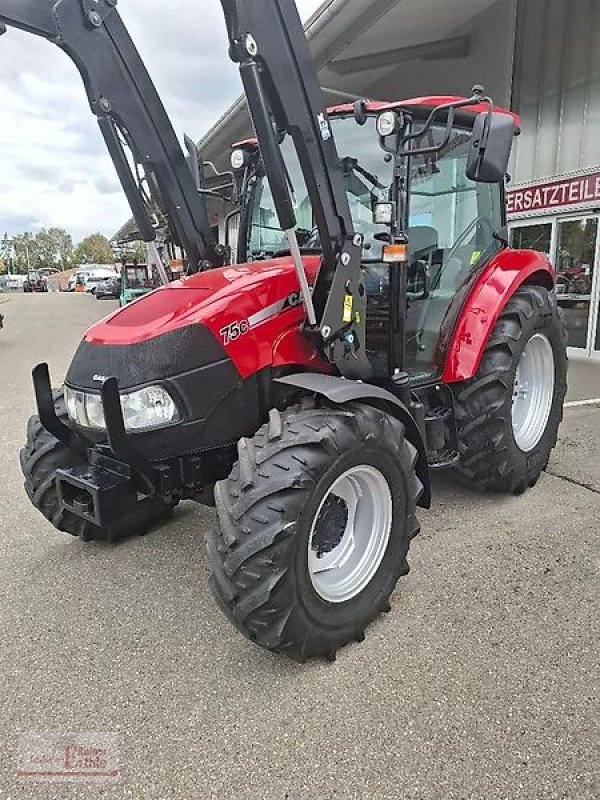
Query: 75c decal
x=231, y=333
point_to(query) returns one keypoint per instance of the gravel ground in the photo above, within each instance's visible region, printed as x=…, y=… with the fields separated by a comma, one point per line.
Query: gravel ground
x=482, y=682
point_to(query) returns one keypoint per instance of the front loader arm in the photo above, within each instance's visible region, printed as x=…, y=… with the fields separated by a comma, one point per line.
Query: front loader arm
x=268, y=42
x=159, y=184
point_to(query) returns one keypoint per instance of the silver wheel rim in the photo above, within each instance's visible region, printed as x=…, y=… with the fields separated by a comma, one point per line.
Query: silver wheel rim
x=350, y=534
x=533, y=392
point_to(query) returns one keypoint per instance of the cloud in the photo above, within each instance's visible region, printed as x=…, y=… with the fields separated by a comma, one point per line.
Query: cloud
x=106, y=185
x=54, y=169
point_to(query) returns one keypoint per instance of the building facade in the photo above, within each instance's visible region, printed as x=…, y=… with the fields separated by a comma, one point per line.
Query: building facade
x=554, y=205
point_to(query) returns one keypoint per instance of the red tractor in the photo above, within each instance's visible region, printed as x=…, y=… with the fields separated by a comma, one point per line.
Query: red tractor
x=381, y=329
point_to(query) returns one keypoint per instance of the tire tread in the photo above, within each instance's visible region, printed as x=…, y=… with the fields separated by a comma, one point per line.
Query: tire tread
x=248, y=550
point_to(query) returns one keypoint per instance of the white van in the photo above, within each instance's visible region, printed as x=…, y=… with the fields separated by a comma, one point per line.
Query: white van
x=92, y=279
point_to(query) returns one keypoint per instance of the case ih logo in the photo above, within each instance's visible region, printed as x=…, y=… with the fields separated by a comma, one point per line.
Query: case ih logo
x=557, y=194
x=68, y=758
x=324, y=127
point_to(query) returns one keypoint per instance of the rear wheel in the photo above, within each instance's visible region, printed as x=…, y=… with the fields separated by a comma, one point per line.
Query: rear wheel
x=43, y=455
x=315, y=523
x=509, y=414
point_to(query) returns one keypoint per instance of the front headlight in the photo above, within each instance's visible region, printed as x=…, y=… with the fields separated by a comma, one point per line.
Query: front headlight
x=94, y=412
x=387, y=123
x=148, y=408
x=239, y=159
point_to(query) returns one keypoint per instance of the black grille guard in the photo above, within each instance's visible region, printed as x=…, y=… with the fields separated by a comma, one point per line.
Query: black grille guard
x=119, y=443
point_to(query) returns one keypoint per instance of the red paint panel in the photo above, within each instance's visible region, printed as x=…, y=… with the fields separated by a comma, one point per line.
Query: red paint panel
x=225, y=301
x=293, y=349
x=374, y=107
x=431, y=102
x=421, y=102
x=496, y=285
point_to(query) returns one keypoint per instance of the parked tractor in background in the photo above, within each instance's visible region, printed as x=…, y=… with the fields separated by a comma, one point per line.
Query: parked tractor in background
x=136, y=281
x=382, y=328
x=35, y=282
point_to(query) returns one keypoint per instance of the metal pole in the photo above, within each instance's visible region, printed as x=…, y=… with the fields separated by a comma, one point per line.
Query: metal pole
x=301, y=273
x=153, y=248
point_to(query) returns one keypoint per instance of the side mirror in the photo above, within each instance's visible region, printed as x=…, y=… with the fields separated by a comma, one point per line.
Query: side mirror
x=491, y=144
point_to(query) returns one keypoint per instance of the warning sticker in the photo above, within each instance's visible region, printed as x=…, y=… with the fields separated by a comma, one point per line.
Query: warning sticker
x=348, y=307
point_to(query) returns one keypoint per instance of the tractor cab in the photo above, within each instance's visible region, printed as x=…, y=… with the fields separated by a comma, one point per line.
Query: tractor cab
x=455, y=223
x=136, y=281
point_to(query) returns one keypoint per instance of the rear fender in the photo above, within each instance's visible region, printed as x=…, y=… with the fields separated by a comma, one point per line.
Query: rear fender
x=341, y=391
x=497, y=283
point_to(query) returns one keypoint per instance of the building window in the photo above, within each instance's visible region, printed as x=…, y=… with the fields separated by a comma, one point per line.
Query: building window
x=575, y=267
x=533, y=237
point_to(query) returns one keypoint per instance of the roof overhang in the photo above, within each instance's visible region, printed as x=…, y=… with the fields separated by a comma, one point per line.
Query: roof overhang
x=380, y=49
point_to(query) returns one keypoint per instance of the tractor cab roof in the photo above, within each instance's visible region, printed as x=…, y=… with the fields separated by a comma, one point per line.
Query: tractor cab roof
x=422, y=104
x=415, y=105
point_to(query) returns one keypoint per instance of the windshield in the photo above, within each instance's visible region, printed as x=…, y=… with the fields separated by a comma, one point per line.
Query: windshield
x=137, y=277
x=442, y=199
x=354, y=142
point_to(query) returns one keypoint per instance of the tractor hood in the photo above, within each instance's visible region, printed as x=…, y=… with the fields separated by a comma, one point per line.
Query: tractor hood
x=241, y=314
x=215, y=298
x=208, y=340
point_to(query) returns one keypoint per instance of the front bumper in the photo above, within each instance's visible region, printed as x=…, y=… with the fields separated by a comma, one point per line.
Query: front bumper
x=114, y=477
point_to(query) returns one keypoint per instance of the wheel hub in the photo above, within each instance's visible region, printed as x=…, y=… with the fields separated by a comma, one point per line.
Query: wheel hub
x=330, y=526
x=533, y=392
x=350, y=534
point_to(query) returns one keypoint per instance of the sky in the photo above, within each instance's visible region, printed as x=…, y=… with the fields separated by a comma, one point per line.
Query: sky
x=54, y=169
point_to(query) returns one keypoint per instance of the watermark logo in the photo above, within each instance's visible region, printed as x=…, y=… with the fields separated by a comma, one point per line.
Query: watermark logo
x=68, y=757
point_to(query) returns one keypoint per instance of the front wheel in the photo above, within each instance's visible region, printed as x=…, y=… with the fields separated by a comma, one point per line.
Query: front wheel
x=508, y=416
x=315, y=523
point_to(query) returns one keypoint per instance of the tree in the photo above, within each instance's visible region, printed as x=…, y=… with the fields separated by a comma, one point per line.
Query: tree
x=6, y=249
x=133, y=252
x=49, y=249
x=95, y=249
x=24, y=252
x=53, y=248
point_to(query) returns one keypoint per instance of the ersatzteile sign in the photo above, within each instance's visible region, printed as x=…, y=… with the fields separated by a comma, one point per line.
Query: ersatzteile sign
x=577, y=191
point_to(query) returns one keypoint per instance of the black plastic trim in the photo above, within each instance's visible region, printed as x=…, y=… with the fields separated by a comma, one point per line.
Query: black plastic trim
x=143, y=363
x=342, y=390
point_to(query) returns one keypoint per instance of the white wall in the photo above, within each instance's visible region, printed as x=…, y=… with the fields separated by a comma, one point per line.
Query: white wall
x=557, y=87
x=489, y=61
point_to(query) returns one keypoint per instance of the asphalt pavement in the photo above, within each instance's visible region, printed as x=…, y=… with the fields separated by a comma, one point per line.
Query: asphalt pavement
x=482, y=682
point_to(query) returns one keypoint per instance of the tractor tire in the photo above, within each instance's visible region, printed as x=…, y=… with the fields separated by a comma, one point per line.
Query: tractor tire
x=507, y=425
x=43, y=455
x=279, y=522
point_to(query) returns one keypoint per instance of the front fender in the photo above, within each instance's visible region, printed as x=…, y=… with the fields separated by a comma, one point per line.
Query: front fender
x=497, y=283
x=341, y=391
